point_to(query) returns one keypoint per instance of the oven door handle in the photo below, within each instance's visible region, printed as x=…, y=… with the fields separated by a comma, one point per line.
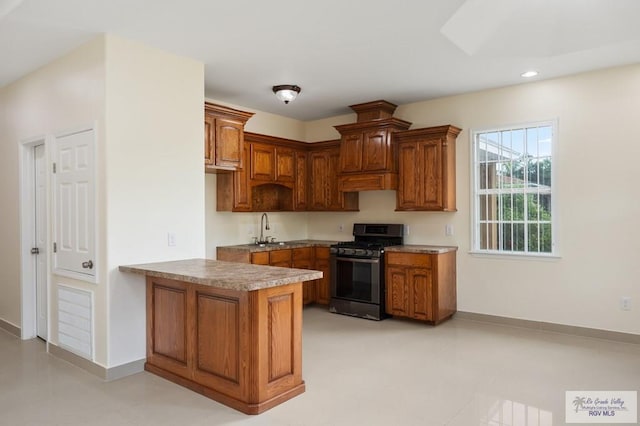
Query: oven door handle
x=358, y=260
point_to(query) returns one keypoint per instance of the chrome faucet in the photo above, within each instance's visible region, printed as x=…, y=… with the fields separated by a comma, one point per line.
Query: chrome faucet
x=262, y=218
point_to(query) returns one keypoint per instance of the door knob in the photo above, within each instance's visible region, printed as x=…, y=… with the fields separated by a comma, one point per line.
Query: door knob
x=87, y=265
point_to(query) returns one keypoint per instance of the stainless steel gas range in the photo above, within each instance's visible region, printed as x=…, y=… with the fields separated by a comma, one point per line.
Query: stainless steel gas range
x=357, y=270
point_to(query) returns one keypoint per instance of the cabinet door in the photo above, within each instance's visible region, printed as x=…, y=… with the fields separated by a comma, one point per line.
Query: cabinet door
x=421, y=297
x=323, y=284
x=398, y=291
x=408, y=196
x=241, y=191
x=375, y=150
x=285, y=169
x=318, y=180
x=209, y=140
x=351, y=152
x=303, y=259
x=335, y=199
x=430, y=165
x=280, y=258
x=301, y=181
x=263, y=162
x=229, y=141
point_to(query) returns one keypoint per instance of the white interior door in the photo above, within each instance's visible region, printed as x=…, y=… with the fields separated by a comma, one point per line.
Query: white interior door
x=40, y=228
x=74, y=226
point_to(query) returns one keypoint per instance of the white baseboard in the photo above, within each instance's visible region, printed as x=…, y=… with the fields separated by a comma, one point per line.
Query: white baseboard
x=595, y=333
x=10, y=328
x=107, y=374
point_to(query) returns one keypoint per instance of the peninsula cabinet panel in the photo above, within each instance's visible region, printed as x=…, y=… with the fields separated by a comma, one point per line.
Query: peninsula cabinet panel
x=220, y=324
x=168, y=347
x=241, y=348
x=427, y=169
x=421, y=286
x=279, y=364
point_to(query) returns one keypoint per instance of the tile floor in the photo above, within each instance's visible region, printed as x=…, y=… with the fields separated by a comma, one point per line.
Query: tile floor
x=358, y=372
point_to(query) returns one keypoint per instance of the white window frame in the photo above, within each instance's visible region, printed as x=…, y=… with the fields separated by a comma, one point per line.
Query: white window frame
x=474, y=193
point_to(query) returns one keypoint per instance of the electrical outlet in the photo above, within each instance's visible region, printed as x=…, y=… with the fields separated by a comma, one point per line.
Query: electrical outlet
x=625, y=303
x=448, y=230
x=341, y=227
x=406, y=230
x=171, y=239
x=250, y=230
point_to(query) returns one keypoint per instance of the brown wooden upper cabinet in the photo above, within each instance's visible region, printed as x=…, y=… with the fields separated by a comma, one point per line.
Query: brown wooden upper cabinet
x=427, y=169
x=323, y=180
x=223, y=137
x=367, y=158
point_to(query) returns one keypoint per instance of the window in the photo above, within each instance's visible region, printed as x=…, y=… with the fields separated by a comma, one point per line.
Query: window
x=513, y=204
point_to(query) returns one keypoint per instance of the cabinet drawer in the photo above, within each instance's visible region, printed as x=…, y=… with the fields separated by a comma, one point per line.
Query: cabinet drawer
x=304, y=253
x=260, y=258
x=409, y=259
x=278, y=256
x=322, y=253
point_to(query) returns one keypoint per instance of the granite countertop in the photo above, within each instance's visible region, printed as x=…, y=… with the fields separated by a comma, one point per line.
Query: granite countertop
x=417, y=248
x=253, y=248
x=227, y=275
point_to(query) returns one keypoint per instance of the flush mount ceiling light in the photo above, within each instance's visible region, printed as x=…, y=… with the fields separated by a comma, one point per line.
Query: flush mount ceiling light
x=286, y=92
x=529, y=74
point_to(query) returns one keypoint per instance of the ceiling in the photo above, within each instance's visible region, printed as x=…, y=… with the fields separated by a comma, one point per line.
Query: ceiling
x=341, y=52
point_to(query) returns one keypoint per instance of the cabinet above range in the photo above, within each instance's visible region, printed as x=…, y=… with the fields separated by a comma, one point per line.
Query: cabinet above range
x=367, y=156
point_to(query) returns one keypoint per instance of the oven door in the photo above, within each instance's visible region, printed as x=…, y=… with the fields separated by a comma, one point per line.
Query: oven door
x=356, y=279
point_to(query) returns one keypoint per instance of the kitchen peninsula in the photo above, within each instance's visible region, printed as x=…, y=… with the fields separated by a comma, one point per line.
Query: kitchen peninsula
x=230, y=331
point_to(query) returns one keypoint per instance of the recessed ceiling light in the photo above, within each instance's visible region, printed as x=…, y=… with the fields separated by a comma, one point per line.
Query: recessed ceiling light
x=529, y=74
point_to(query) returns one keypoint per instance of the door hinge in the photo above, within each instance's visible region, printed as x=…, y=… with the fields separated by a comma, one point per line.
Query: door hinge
x=55, y=247
x=54, y=167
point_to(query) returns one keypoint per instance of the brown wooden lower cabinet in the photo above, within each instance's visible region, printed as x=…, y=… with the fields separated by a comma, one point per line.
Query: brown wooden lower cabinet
x=302, y=258
x=241, y=348
x=316, y=258
x=421, y=286
x=323, y=291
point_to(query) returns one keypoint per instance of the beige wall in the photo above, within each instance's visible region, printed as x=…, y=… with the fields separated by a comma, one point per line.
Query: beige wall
x=154, y=179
